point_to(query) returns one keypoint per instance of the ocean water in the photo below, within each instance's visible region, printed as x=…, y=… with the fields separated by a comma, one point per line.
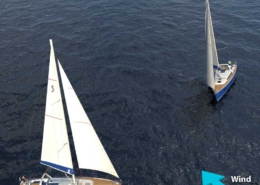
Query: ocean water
x=138, y=68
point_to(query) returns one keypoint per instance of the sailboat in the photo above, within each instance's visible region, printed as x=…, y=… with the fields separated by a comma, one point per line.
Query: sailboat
x=56, y=153
x=220, y=77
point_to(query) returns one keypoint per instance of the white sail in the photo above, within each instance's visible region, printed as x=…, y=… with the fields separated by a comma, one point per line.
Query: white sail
x=210, y=50
x=213, y=42
x=55, y=145
x=90, y=152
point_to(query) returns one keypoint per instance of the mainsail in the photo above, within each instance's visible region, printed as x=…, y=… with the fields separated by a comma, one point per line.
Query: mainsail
x=89, y=150
x=55, y=145
x=212, y=55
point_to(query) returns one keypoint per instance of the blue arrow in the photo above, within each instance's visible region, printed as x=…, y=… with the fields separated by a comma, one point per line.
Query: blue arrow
x=211, y=178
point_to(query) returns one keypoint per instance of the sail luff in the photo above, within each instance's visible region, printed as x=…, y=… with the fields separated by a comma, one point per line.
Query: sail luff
x=210, y=72
x=89, y=150
x=55, y=144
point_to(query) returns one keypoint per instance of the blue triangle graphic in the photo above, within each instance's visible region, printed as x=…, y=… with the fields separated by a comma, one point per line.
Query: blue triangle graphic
x=209, y=178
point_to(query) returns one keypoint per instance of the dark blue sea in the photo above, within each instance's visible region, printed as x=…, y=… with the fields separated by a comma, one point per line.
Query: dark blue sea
x=139, y=69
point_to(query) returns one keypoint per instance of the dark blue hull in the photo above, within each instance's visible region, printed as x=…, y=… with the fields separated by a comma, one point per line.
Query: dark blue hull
x=223, y=91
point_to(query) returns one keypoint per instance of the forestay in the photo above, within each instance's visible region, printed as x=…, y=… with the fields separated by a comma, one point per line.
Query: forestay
x=55, y=145
x=89, y=150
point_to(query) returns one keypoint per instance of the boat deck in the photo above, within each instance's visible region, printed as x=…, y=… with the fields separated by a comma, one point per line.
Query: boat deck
x=225, y=77
x=79, y=181
x=96, y=181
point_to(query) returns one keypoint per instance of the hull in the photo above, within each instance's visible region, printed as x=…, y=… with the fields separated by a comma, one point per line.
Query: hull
x=79, y=181
x=220, y=91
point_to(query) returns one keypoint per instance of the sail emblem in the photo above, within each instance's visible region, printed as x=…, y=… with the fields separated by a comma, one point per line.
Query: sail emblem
x=52, y=90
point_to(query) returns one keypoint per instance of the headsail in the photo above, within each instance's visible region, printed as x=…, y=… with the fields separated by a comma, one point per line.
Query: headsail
x=212, y=57
x=90, y=151
x=55, y=145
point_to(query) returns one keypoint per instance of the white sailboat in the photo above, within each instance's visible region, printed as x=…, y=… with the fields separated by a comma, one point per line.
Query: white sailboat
x=56, y=152
x=220, y=77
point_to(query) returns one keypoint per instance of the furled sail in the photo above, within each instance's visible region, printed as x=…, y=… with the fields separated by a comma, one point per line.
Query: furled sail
x=55, y=144
x=212, y=57
x=89, y=150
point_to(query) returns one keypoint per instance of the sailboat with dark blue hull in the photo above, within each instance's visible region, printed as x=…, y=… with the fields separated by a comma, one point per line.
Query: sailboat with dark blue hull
x=220, y=77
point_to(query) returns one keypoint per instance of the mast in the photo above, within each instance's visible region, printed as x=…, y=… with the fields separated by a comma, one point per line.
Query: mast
x=210, y=72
